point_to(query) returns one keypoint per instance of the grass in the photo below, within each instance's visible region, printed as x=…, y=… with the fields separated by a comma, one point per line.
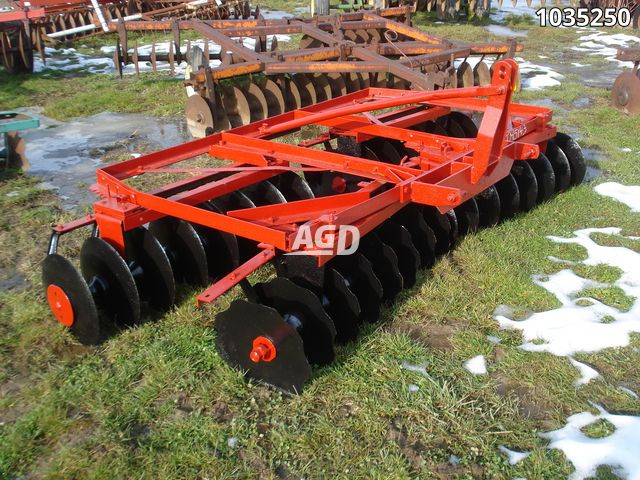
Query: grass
x=158, y=402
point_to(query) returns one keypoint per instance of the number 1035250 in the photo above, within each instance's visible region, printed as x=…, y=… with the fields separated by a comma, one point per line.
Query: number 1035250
x=584, y=17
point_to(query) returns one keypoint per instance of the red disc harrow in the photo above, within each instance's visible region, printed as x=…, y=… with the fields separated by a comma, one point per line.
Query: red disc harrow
x=406, y=171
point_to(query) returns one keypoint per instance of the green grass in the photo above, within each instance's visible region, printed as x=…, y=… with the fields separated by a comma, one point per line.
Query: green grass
x=158, y=402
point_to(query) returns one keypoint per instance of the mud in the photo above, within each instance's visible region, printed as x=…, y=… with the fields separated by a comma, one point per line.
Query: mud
x=65, y=155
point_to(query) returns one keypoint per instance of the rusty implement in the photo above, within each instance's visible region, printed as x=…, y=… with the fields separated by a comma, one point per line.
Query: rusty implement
x=28, y=26
x=625, y=94
x=336, y=55
x=348, y=198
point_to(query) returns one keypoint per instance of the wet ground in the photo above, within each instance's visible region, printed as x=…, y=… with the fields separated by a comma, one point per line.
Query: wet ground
x=66, y=154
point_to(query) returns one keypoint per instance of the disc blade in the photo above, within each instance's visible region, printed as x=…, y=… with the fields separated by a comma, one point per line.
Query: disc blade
x=527, y=185
x=257, y=102
x=238, y=201
x=398, y=238
x=488, y=203
x=465, y=75
x=441, y=227
x=468, y=126
x=236, y=106
x=509, y=194
x=422, y=236
x=322, y=87
x=455, y=229
x=452, y=127
x=264, y=193
x=481, y=74
x=110, y=281
x=85, y=323
x=468, y=217
x=560, y=164
x=625, y=94
x=362, y=281
x=150, y=268
x=273, y=95
x=292, y=186
x=575, y=156
x=184, y=248
x=385, y=265
x=338, y=85
x=301, y=309
x=384, y=150
x=199, y=116
x=240, y=324
x=221, y=248
x=544, y=176
x=306, y=89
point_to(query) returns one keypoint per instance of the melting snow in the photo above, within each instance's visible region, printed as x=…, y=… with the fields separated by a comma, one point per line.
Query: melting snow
x=606, y=45
x=571, y=327
x=415, y=368
x=619, y=450
x=513, y=456
x=477, y=365
x=629, y=392
x=586, y=372
x=413, y=388
x=534, y=76
x=629, y=195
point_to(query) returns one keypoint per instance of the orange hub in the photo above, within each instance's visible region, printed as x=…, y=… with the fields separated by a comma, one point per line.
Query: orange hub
x=263, y=350
x=60, y=305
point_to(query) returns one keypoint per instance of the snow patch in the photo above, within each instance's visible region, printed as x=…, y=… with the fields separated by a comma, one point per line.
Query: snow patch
x=606, y=45
x=629, y=195
x=477, y=365
x=628, y=391
x=415, y=368
x=619, y=450
x=586, y=372
x=513, y=456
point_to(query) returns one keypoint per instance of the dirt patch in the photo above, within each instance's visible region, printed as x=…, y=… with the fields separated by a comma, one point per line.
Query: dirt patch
x=410, y=450
x=431, y=335
x=530, y=405
x=255, y=463
x=447, y=471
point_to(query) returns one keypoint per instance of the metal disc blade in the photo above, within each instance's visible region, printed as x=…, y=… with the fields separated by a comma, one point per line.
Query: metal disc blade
x=433, y=127
x=199, y=116
x=441, y=227
x=465, y=75
x=273, y=95
x=88, y=327
x=338, y=85
x=150, y=268
x=309, y=42
x=545, y=177
x=364, y=80
x=240, y=324
x=468, y=217
x=488, y=203
x=184, y=249
x=306, y=89
x=264, y=193
x=237, y=106
x=301, y=309
x=481, y=74
x=352, y=81
x=575, y=156
x=323, y=89
x=527, y=184
x=110, y=281
x=258, y=106
x=468, y=126
x=221, y=248
x=363, y=282
x=292, y=186
x=291, y=93
x=455, y=229
x=385, y=265
x=423, y=238
x=379, y=79
x=452, y=127
x=625, y=94
x=398, y=238
x=560, y=164
x=509, y=194
x=384, y=150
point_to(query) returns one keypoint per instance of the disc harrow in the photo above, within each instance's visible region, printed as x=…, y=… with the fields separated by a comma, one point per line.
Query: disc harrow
x=383, y=195
x=336, y=55
x=625, y=94
x=32, y=25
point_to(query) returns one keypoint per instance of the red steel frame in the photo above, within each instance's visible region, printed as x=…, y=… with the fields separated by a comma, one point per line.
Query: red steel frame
x=446, y=172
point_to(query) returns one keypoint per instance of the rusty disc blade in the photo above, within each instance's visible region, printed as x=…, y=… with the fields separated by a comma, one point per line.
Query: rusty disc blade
x=465, y=75
x=257, y=102
x=338, y=85
x=323, y=89
x=199, y=116
x=625, y=95
x=353, y=82
x=237, y=106
x=275, y=100
x=291, y=93
x=306, y=89
x=481, y=74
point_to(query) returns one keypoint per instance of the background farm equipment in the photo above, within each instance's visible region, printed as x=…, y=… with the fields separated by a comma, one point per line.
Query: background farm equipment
x=454, y=9
x=411, y=180
x=336, y=55
x=625, y=95
x=29, y=26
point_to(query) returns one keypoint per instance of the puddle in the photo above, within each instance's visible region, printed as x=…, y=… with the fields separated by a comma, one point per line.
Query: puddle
x=505, y=31
x=66, y=154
